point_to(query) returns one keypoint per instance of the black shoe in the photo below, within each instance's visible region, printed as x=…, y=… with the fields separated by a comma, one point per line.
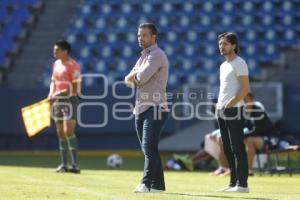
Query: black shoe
x=74, y=169
x=61, y=169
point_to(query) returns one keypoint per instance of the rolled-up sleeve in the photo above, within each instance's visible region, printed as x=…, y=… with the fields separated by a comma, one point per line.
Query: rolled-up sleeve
x=152, y=65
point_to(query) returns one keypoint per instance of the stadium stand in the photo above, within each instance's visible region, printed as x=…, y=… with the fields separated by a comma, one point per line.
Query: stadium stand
x=16, y=21
x=101, y=30
x=104, y=41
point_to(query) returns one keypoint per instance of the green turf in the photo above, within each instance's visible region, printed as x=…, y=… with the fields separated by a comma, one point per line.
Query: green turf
x=33, y=177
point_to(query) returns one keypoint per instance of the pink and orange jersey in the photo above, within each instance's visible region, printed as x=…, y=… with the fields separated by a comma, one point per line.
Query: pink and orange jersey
x=64, y=75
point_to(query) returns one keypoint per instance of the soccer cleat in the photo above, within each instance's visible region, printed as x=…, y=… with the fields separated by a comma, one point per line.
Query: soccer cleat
x=61, y=169
x=185, y=160
x=224, y=189
x=74, y=169
x=152, y=190
x=141, y=189
x=238, y=189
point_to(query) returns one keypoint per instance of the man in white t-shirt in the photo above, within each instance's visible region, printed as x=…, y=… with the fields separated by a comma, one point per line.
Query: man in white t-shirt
x=234, y=86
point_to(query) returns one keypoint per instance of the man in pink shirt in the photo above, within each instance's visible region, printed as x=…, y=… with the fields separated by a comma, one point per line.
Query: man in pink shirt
x=64, y=89
x=150, y=76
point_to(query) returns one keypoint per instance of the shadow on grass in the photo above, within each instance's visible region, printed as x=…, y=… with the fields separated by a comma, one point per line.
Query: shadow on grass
x=215, y=196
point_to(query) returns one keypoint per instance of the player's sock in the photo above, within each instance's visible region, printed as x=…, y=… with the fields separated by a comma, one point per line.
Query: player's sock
x=63, y=147
x=73, y=147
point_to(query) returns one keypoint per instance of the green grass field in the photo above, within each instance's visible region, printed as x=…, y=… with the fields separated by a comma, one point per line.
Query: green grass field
x=32, y=177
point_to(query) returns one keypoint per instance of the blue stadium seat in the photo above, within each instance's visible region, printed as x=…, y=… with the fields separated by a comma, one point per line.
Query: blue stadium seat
x=105, y=9
x=101, y=67
x=209, y=65
x=173, y=80
x=248, y=7
x=2, y=58
x=85, y=52
x=226, y=21
x=208, y=7
x=267, y=6
x=27, y=3
x=20, y=14
x=6, y=44
x=89, y=82
x=193, y=78
x=188, y=7
x=267, y=20
x=127, y=51
x=147, y=8
x=205, y=21
x=270, y=36
x=186, y=65
x=167, y=7
x=126, y=8
x=191, y=36
x=251, y=36
x=7, y=3
x=210, y=49
x=169, y=50
x=12, y=29
x=184, y=21
x=212, y=36
x=267, y=52
x=171, y=37
x=228, y=7
x=252, y=64
x=105, y=33
x=247, y=20
x=250, y=50
x=289, y=38
x=122, y=67
x=213, y=79
x=3, y=14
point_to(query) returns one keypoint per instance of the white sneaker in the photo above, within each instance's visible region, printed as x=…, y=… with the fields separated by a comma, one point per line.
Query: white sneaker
x=238, y=189
x=141, y=189
x=224, y=189
x=156, y=191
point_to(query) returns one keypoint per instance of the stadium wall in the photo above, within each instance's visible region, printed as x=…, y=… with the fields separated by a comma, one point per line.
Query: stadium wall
x=115, y=134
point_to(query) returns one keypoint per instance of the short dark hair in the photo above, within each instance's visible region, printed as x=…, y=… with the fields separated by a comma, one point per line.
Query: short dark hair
x=150, y=26
x=232, y=38
x=63, y=45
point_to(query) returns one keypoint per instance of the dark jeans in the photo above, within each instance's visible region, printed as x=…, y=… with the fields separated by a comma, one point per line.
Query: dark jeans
x=233, y=143
x=148, y=126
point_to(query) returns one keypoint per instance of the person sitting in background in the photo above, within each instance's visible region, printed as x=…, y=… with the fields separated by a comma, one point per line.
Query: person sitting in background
x=260, y=133
x=212, y=148
x=258, y=130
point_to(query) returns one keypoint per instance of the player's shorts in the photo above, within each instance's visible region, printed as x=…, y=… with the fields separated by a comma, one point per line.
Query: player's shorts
x=65, y=109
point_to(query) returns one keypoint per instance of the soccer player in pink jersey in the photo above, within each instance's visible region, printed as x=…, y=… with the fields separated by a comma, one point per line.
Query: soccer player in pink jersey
x=64, y=89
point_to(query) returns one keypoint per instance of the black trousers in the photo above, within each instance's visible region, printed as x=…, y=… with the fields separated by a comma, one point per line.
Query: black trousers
x=149, y=125
x=231, y=123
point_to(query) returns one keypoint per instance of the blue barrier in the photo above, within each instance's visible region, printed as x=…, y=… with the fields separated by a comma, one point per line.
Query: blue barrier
x=115, y=134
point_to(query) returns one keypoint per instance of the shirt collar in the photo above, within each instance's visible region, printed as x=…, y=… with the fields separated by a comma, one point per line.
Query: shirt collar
x=149, y=49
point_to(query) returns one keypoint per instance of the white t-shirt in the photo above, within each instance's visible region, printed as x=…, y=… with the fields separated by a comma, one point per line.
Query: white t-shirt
x=229, y=83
